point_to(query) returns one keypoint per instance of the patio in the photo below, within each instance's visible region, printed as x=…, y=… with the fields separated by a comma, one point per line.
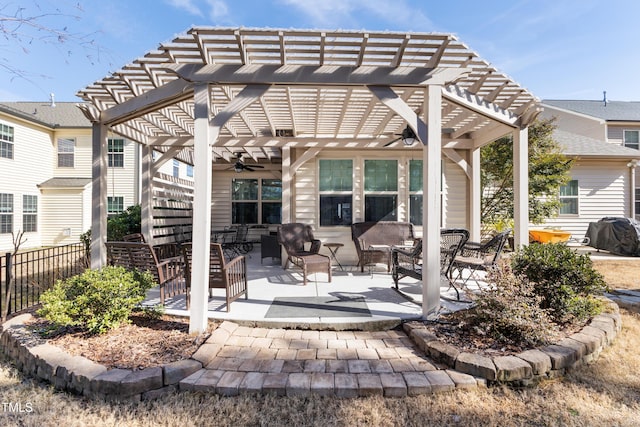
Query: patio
x=352, y=301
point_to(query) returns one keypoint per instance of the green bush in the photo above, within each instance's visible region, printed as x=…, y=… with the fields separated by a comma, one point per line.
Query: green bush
x=127, y=222
x=510, y=312
x=565, y=280
x=96, y=300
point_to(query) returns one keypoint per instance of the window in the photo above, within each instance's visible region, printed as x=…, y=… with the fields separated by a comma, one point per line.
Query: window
x=569, y=198
x=6, y=141
x=115, y=205
x=256, y=201
x=115, y=150
x=66, y=148
x=415, y=192
x=29, y=213
x=632, y=138
x=6, y=213
x=176, y=168
x=190, y=171
x=380, y=190
x=637, y=203
x=336, y=191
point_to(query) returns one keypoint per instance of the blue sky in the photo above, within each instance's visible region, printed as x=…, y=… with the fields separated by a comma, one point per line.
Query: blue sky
x=558, y=49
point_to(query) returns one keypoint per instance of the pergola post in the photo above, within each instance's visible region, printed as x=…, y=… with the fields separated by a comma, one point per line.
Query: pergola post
x=202, y=174
x=475, y=197
x=99, y=196
x=146, y=197
x=521, y=187
x=287, y=177
x=431, y=212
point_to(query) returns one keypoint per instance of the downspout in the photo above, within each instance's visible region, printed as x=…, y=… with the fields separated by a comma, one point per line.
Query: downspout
x=632, y=178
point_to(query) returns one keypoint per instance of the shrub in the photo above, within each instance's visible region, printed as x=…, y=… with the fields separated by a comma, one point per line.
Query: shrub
x=96, y=300
x=509, y=311
x=566, y=281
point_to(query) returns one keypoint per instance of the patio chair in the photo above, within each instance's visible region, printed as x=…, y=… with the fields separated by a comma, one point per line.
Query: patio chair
x=408, y=262
x=228, y=275
x=477, y=257
x=452, y=240
x=302, y=250
x=168, y=273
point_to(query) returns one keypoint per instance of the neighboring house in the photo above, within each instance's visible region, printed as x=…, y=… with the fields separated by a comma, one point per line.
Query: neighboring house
x=602, y=138
x=45, y=170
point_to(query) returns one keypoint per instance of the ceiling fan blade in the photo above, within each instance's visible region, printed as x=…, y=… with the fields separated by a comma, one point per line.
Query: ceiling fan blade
x=256, y=166
x=392, y=142
x=248, y=168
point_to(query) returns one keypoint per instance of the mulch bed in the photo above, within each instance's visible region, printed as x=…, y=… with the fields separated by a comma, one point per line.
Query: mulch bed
x=146, y=342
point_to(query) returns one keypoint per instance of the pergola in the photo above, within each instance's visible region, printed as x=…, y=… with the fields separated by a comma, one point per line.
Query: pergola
x=211, y=92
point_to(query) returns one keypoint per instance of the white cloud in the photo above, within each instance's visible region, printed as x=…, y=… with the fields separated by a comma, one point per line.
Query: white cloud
x=219, y=10
x=186, y=5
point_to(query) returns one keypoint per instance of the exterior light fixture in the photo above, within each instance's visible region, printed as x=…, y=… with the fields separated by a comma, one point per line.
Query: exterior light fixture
x=408, y=136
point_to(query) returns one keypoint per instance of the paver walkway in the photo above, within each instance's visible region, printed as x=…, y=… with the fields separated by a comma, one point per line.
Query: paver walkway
x=239, y=359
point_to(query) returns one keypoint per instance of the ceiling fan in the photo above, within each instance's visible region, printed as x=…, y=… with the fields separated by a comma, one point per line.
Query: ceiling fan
x=240, y=166
x=408, y=137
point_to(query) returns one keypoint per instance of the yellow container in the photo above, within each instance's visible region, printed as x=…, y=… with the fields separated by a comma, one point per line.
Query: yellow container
x=549, y=236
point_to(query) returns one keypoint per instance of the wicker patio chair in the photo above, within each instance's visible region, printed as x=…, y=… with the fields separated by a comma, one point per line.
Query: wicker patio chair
x=302, y=249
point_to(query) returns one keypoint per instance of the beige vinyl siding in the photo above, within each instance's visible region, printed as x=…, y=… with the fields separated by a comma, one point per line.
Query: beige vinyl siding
x=82, y=155
x=603, y=191
x=455, y=196
x=123, y=182
x=30, y=166
x=63, y=209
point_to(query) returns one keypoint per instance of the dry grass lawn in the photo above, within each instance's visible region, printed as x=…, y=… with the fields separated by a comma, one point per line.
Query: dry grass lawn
x=606, y=393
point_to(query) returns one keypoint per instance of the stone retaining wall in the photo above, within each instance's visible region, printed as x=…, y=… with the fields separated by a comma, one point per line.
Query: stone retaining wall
x=529, y=367
x=79, y=375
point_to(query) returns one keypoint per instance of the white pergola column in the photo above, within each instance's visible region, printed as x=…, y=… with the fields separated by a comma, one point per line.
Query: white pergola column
x=431, y=163
x=202, y=174
x=521, y=187
x=146, y=193
x=287, y=178
x=475, y=197
x=99, y=196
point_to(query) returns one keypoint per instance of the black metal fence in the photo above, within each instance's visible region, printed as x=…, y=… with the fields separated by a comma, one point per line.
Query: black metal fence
x=28, y=274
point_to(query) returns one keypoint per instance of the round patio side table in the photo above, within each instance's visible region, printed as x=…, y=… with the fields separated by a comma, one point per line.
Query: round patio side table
x=333, y=249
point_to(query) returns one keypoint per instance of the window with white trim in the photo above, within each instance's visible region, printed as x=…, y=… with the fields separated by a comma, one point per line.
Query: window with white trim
x=6, y=141
x=336, y=191
x=190, y=171
x=569, y=198
x=380, y=190
x=115, y=152
x=415, y=192
x=66, y=152
x=115, y=205
x=632, y=138
x=29, y=213
x=176, y=168
x=256, y=201
x=6, y=213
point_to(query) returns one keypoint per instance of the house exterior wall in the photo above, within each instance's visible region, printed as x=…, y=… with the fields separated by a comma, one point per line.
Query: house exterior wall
x=64, y=215
x=305, y=195
x=31, y=165
x=36, y=161
x=603, y=191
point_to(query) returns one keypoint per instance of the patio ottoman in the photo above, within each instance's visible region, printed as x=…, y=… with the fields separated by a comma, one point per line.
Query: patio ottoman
x=315, y=263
